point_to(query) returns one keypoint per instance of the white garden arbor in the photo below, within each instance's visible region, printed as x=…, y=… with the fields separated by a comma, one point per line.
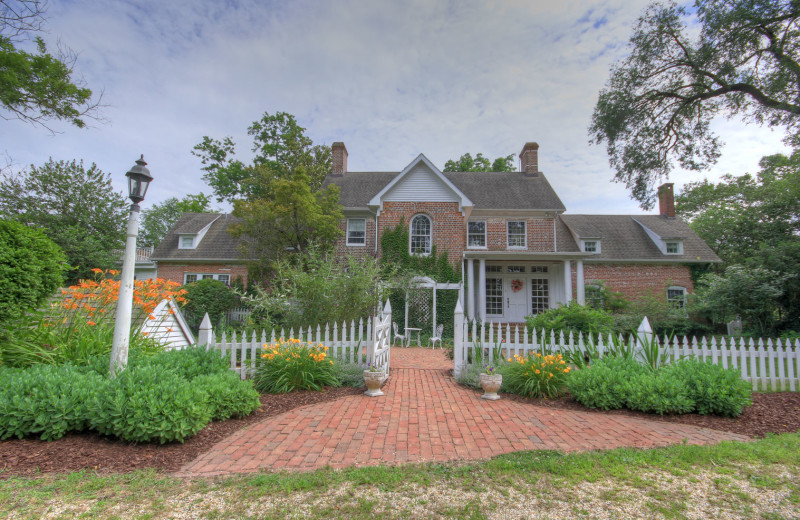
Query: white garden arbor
x=424, y=282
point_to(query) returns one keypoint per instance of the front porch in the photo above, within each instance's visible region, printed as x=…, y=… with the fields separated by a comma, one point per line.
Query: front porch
x=502, y=287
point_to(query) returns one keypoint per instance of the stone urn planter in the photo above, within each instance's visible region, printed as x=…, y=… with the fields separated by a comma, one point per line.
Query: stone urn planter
x=491, y=384
x=374, y=380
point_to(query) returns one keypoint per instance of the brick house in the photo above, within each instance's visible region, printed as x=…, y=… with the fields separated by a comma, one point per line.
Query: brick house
x=199, y=247
x=518, y=251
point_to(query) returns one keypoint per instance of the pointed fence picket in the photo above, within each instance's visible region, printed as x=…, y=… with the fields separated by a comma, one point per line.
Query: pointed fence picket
x=768, y=364
x=347, y=343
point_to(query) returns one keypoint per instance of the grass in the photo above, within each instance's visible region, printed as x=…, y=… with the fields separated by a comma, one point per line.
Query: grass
x=743, y=480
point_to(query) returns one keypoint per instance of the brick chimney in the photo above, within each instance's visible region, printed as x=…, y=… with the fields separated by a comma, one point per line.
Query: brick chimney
x=666, y=200
x=529, y=159
x=339, y=159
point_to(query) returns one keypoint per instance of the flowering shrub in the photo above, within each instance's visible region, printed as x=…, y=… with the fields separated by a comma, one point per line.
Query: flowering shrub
x=81, y=323
x=288, y=365
x=535, y=375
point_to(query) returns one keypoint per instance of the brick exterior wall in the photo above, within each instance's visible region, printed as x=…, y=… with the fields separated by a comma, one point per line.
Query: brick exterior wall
x=368, y=249
x=449, y=227
x=636, y=280
x=174, y=271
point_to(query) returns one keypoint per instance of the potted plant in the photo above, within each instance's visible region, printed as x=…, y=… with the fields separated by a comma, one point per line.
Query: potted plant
x=490, y=382
x=374, y=377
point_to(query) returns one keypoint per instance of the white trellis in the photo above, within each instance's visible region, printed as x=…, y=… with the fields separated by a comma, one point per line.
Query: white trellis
x=424, y=282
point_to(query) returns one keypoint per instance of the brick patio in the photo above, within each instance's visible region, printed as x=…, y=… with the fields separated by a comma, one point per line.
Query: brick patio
x=426, y=416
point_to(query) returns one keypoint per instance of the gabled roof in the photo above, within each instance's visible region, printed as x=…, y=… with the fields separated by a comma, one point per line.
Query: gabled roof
x=217, y=244
x=486, y=190
x=623, y=238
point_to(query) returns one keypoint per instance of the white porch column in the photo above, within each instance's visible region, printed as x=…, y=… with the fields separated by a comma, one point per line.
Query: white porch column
x=579, y=281
x=568, y=281
x=482, y=289
x=470, y=299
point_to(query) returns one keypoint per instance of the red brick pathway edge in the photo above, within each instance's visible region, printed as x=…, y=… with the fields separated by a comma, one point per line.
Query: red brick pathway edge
x=426, y=416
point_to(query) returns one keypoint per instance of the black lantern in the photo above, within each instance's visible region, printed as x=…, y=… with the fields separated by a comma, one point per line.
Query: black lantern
x=138, y=180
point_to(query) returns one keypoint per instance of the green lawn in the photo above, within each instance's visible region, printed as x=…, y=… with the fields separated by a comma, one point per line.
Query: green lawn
x=760, y=479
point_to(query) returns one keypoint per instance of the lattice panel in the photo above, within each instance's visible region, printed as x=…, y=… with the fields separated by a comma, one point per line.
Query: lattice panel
x=420, y=308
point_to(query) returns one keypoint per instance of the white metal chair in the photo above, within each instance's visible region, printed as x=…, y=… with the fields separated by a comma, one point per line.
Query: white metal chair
x=397, y=335
x=437, y=337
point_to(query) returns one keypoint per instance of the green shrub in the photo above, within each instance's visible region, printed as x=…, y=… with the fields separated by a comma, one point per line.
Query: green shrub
x=573, y=317
x=228, y=395
x=660, y=393
x=208, y=296
x=31, y=269
x=603, y=384
x=535, y=375
x=150, y=403
x=190, y=362
x=350, y=374
x=288, y=365
x=714, y=389
x=46, y=401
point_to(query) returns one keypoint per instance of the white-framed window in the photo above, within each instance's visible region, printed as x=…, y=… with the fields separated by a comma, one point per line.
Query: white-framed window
x=517, y=238
x=476, y=233
x=420, y=235
x=673, y=247
x=186, y=242
x=676, y=296
x=356, y=231
x=591, y=246
x=193, y=277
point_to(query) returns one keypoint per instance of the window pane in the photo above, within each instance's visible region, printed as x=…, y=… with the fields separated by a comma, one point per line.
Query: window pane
x=208, y=277
x=540, y=295
x=191, y=278
x=672, y=247
x=476, y=234
x=356, y=231
x=420, y=235
x=676, y=297
x=516, y=234
x=516, y=268
x=187, y=242
x=590, y=247
x=494, y=296
x=226, y=278
x=494, y=269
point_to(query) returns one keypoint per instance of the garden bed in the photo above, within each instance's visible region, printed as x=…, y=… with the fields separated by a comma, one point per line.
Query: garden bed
x=101, y=454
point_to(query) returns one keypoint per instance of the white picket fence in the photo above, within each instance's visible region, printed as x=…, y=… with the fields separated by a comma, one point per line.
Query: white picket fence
x=768, y=364
x=366, y=341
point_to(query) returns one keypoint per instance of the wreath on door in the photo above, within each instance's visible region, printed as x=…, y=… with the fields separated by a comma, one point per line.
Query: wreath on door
x=516, y=285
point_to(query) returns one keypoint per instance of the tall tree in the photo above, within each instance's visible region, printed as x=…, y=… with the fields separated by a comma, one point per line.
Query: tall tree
x=38, y=87
x=279, y=196
x=753, y=223
x=656, y=109
x=77, y=208
x=466, y=163
x=159, y=218
x=280, y=145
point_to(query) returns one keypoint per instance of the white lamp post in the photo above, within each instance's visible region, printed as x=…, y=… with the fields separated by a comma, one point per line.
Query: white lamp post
x=138, y=180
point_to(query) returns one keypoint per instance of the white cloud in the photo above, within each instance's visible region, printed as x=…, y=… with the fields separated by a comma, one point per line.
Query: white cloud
x=390, y=79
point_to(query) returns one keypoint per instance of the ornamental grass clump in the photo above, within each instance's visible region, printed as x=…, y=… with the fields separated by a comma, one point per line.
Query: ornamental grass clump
x=288, y=365
x=535, y=375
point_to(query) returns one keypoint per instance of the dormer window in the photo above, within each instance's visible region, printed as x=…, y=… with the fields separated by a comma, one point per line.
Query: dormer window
x=673, y=247
x=186, y=242
x=591, y=246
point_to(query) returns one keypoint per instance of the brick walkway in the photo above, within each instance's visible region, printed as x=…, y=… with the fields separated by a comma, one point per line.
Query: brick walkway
x=426, y=416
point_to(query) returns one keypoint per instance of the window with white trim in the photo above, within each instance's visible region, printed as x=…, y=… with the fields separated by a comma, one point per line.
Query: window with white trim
x=591, y=246
x=187, y=242
x=476, y=233
x=420, y=235
x=673, y=247
x=356, y=231
x=517, y=238
x=193, y=277
x=676, y=296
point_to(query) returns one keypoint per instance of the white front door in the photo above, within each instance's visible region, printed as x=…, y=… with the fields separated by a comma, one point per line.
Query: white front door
x=516, y=301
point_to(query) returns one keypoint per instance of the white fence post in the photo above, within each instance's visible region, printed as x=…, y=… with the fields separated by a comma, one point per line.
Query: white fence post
x=458, y=339
x=644, y=337
x=205, y=333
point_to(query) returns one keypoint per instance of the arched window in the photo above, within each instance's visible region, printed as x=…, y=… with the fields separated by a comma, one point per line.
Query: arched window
x=676, y=296
x=420, y=239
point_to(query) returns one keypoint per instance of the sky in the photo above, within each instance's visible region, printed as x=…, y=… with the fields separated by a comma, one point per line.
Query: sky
x=389, y=79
